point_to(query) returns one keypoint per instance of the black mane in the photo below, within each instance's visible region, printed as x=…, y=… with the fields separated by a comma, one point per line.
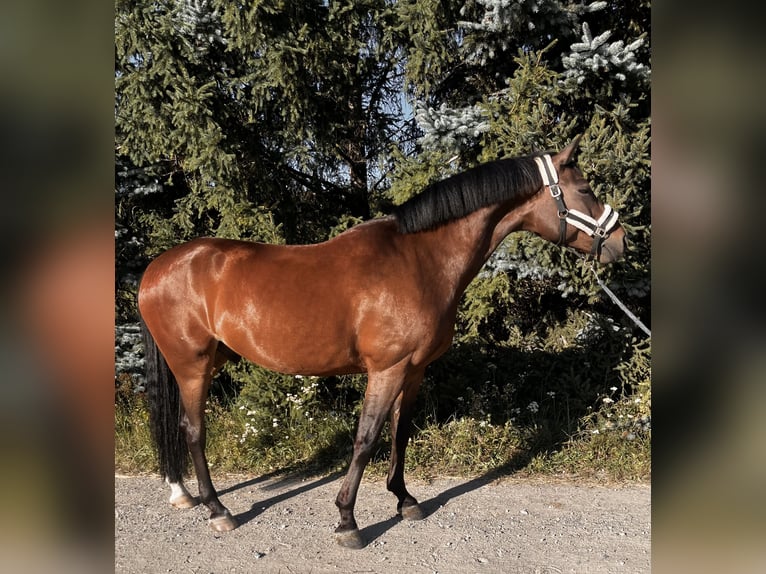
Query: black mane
x=466, y=192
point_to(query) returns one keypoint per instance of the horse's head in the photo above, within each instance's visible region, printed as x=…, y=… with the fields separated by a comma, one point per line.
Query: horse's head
x=567, y=212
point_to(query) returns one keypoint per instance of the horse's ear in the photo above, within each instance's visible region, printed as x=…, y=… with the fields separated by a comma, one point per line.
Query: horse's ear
x=567, y=154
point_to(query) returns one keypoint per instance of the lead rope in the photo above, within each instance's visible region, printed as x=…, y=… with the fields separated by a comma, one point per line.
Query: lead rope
x=598, y=229
x=619, y=303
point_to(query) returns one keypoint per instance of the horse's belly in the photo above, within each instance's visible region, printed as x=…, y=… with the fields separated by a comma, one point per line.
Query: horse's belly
x=297, y=348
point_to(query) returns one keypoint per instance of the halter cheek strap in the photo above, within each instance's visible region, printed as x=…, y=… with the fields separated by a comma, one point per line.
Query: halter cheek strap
x=599, y=228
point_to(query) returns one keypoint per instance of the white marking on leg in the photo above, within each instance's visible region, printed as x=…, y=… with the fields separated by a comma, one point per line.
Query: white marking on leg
x=179, y=496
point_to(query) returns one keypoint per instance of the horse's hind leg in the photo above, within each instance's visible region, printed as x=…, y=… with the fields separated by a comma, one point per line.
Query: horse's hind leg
x=401, y=419
x=194, y=389
x=193, y=424
x=179, y=496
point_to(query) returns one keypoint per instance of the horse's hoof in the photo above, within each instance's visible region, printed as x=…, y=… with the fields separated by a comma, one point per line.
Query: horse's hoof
x=412, y=512
x=350, y=539
x=184, y=501
x=223, y=523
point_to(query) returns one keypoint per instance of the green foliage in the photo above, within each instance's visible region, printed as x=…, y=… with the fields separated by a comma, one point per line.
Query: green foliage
x=133, y=449
x=614, y=439
x=414, y=174
x=288, y=121
x=278, y=109
x=433, y=46
x=480, y=303
x=463, y=447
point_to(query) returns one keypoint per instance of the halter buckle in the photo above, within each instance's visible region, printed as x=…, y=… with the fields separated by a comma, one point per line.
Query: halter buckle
x=555, y=190
x=600, y=232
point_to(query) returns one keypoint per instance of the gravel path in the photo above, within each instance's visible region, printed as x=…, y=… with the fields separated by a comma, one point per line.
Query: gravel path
x=478, y=525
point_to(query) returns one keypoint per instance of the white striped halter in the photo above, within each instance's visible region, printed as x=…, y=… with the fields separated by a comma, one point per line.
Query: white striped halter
x=599, y=228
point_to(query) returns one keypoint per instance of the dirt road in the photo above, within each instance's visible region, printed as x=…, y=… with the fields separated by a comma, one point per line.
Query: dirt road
x=508, y=526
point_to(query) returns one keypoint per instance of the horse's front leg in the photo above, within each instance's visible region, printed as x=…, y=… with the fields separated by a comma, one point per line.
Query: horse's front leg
x=382, y=389
x=401, y=422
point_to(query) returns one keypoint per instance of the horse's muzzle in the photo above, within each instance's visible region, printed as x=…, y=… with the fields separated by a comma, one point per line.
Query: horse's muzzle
x=613, y=248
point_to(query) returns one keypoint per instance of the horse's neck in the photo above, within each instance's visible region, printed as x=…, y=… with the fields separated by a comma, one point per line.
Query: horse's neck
x=460, y=248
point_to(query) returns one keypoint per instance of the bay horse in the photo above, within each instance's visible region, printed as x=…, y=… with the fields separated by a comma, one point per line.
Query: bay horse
x=380, y=298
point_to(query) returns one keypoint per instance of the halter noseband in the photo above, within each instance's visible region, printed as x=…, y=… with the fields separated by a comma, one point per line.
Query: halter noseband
x=599, y=228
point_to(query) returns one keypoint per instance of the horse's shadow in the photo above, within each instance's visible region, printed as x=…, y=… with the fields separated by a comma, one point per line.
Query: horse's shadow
x=374, y=531
x=258, y=508
x=432, y=505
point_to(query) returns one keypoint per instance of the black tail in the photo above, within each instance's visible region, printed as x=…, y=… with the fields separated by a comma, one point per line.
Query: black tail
x=164, y=412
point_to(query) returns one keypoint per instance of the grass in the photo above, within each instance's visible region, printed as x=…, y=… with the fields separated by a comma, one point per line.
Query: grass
x=250, y=441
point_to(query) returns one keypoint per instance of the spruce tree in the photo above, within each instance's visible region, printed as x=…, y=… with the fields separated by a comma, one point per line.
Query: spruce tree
x=282, y=108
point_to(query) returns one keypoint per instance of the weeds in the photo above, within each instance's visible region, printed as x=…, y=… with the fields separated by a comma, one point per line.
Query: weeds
x=616, y=446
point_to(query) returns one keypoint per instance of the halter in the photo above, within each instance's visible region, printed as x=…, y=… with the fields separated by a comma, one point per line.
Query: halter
x=599, y=228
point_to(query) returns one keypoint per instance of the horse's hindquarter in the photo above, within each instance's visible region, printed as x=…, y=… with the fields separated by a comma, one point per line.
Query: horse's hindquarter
x=279, y=307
